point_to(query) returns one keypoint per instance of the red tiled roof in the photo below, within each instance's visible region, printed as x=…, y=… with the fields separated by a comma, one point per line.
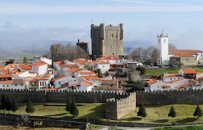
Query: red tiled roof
x=69, y=65
x=81, y=61
x=109, y=58
x=171, y=75
x=189, y=71
x=152, y=81
x=94, y=77
x=184, y=53
x=86, y=83
x=6, y=76
x=99, y=62
x=25, y=66
x=86, y=72
x=72, y=70
x=61, y=77
x=110, y=82
x=41, y=77
x=40, y=63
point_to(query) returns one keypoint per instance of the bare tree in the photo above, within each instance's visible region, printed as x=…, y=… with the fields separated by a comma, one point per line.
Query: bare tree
x=149, y=55
x=136, y=54
x=69, y=52
x=171, y=47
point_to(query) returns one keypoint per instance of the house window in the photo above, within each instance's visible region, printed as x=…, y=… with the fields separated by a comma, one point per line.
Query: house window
x=3, y=85
x=59, y=82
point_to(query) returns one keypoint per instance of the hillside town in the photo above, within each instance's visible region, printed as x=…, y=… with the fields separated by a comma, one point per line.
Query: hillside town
x=108, y=72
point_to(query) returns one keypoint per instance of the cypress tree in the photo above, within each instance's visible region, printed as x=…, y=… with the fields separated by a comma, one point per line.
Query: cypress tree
x=198, y=112
x=3, y=102
x=25, y=60
x=74, y=110
x=68, y=105
x=1, y=107
x=172, y=112
x=14, y=106
x=29, y=108
x=142, y=111
x=8, y=104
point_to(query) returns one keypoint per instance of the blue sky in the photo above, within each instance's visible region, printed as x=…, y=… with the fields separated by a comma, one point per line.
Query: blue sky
x=25, y=22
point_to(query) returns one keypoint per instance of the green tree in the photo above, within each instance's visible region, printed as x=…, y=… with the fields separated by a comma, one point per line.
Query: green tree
x=68, y=105
x=99, y=72
x=25, y=60
x=74, y=110
x=142, y=111
x=29, y=108
x=14, y=106
x=8, y=104
x=172, y=112
x=3, y=102
x=198, y=112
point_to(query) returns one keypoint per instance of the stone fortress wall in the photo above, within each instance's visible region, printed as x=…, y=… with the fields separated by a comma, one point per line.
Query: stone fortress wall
x=116, y=104
x=170, y=97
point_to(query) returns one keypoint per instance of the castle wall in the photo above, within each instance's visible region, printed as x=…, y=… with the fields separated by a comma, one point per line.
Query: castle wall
x=117, y=108
x=170, y=97
x=61, y=97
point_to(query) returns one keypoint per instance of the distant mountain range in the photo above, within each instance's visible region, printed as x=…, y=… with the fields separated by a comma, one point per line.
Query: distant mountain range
x=42, y=47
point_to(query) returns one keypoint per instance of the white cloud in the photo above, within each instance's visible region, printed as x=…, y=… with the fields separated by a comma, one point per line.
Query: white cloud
x=6, y=9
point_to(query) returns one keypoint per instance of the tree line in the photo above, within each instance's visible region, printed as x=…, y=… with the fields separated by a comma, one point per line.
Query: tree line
x=148, y=56
x=172, y=112
x=9, y=103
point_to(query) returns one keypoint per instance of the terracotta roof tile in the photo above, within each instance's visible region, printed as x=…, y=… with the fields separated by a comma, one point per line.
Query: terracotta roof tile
x=184, y=53
x=40, y=63
x=189, y=71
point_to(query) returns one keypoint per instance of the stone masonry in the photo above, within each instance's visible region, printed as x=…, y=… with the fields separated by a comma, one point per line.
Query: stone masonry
x=117, y=108
x=107, y=40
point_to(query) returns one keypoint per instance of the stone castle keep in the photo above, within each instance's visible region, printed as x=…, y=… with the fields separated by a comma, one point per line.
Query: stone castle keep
x=107, y=40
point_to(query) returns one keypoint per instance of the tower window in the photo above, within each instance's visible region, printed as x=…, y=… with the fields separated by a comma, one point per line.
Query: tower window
x=112, y=35
x=164, y=40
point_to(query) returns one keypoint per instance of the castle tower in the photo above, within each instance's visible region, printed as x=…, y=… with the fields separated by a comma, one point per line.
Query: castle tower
x=83, y=45
x=107, y=40
x=163, y=48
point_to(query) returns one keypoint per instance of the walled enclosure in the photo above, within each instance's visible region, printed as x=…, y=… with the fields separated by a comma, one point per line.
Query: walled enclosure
x=116, y=103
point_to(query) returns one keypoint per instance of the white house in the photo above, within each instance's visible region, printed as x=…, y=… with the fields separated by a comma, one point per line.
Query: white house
x=102, y=65
x=40, y=67
x=64, y=81
x=24, y=74
x=84, y=73
x=18, y=84
x=86, y=86
x=41, y=81
x=46, y=60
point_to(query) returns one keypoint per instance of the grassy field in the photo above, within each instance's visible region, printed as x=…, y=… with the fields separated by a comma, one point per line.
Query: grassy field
x=159, y=114
x=196, y=127
x=86, y=110
x=4, y=127
x=159, y=71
